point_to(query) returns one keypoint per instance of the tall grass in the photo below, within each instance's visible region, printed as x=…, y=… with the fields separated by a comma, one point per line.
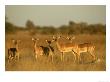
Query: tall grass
x=27, y=60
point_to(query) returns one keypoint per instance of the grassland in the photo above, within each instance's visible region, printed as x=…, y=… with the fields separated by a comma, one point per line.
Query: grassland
x=27, y=60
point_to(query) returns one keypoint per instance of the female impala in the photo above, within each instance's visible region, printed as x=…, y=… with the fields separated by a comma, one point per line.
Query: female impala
x=51, y=49
x=85, y=47
x=13, y=52
x=67, y=47
x=40, y=50
x=37, y=49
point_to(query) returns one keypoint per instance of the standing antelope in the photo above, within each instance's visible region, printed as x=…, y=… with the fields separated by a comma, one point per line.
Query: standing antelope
x=84, y=47
x=13, y=52
x=68, y=47
x=40, y=50
x=37, y=49
x=51, y=49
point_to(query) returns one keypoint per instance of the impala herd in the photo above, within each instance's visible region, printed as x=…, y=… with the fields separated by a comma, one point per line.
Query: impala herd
x=40, y=50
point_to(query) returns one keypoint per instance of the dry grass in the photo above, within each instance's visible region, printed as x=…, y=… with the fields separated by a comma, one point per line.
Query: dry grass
x=27, y=61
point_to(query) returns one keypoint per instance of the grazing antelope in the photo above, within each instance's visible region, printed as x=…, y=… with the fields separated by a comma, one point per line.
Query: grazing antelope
x=84, y=47
x=40, y=50
x=13, y=52
x=63, y=48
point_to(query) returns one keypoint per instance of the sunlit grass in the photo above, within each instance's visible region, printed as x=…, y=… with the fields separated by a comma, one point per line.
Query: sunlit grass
x=27, y=60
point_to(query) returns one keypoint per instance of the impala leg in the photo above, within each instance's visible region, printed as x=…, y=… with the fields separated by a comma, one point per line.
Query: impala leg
x=51, y=54
x=9, y=57
x=93, y=56
x=36, y=57
x=79, y=58
x=92, y=53
x=62, y=56
x=18, y=56
x=52, y=57
x=74, y=56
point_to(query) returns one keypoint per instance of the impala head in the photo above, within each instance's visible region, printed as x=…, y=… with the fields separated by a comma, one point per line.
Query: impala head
x=16, y=42
x=56, y=38
x=70, y=38
x=53, y=37
x=35, y=40
x=59, y=37
x=49, y=42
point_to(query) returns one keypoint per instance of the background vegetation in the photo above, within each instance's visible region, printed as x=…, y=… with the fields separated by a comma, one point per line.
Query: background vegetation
x=71, y=28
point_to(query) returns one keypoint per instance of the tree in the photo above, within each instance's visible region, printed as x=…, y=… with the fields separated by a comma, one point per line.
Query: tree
x=30, y=24
x=71, y=23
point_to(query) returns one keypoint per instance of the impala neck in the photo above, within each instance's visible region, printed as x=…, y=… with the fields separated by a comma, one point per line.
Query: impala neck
x=35, y=44
x=16, y=45
x=57, y=42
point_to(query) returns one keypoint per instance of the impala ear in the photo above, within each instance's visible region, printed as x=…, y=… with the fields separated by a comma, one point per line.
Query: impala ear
x=53, y=37
x=53, y=40
x=73, y=37
x=18, y=41
x=67, y=37
x=33, y=38
x=46, y=40
x=59, y=37
x=37, y=39
x=13, y=40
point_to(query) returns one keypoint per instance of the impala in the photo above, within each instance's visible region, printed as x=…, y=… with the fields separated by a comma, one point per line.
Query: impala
x=63, y=48
x=51, y=49
x=13, y=52
x=40, y=50
x=84, y=47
